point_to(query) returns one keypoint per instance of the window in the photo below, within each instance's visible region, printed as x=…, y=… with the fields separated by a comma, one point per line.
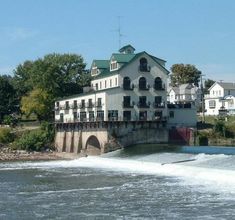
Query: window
x=143, y=65
x=83, y=103
x=100, y=84
x=110, y=82
x=126, y=101
x=158, y=83
x=113, y=65
x=171, y=114
x=75, y=116
x=113, y=115
x=99, y=102
x=158, y=115
x=142, y=102
x=115, y=81
x=67, y=105
x=57, y=104
x=143, y=115
x=105, y=84
x=158, y=99
x=126, y=115
x=96, y=86
x=75, y=104
x=90, y=105
x=91, y=116
x=126, y=83
x=142, y=83
x=100, y=115
x=83, y=116
x=212, y=103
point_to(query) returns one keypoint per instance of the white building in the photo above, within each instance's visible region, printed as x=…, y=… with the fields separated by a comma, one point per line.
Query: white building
x=185, y=93
x=221, y=96
x=128, y=86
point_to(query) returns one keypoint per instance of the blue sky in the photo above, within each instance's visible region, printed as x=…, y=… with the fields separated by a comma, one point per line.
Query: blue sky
x=199, y=32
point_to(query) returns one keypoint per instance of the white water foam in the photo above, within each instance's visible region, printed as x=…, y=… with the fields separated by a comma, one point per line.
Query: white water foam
x=218, y=176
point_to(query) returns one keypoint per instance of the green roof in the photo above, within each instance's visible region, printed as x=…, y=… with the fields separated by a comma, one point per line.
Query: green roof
x=122, y=58
x=126, y=59
x=125, y=47
x=101, y=64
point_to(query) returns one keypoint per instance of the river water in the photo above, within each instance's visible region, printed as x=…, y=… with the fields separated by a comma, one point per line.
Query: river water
x=141, y=182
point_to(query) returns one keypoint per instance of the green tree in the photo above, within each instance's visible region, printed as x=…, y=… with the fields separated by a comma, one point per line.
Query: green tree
x=38, y=102
x=208, y=84
x=7, y=97
x=58, y=74
x=184, y=73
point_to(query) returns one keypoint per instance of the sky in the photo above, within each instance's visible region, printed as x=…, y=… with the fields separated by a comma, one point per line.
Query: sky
x=198, y=32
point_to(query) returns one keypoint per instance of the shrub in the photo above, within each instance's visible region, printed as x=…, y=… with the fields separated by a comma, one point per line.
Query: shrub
x=10, y=120
x=203, y=140
x=6, y=135
x=34, y=140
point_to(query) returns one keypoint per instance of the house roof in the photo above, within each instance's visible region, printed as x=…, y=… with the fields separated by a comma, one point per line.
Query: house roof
x=226, y=85
x=125, y=59
x=122, y=58
x=101, y=64
x=125, y=47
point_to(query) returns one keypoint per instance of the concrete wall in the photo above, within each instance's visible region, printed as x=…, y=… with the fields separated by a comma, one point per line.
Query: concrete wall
x=110, y=136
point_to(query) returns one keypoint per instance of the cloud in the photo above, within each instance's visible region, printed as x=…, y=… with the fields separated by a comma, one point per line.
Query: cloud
x=17, y=33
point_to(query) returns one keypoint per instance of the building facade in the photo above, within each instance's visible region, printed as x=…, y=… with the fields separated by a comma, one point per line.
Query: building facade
x=127, y=87
x=220, y=98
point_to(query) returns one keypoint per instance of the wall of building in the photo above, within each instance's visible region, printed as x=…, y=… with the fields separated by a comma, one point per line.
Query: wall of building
x=182, y=117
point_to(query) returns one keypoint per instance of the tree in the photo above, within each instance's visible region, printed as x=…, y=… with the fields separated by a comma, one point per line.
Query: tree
x=184, y=73
x=39, y=102
x=7, y=97
x=208, y=84
x=58, y=74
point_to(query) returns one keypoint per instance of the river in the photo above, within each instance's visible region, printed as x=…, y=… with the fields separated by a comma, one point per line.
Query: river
x=141, y=182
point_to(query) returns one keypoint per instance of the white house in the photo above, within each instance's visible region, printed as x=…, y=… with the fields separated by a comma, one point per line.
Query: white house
x=221, y=96
x=185, y=93
x=128, y=86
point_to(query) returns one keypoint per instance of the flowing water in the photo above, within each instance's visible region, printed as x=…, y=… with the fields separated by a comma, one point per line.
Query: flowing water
x=141, y=182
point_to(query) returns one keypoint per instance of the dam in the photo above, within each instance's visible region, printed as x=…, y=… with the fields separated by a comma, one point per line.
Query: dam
x=94, y=138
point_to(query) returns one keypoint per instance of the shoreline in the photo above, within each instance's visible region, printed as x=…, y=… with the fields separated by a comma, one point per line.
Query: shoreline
x=7, y=155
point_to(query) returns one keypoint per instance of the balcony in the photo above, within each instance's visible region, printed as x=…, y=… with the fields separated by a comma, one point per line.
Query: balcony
x=159, y=87
x=158, y=105
x=145, y=88
x=128, y=87
x=90, y=105
x=127, y=105
x=72, y=106
x=143, y=105
x=99, y=105
x=143, y=68
x=82, y=105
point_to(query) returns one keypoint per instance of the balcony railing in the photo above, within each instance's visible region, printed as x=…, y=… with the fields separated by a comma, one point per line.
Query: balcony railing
x=128, y=87
x=127, y=105
x=82, y=105
x=159, y=87
x=144, y=68
x=159, y=105
x=90, y=105
x=143, y=105
x=147, y=87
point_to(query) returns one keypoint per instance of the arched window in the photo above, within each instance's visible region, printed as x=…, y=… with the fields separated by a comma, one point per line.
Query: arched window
x=143, y=64
x=158, y=83
x=142, y=83
x=126, y=83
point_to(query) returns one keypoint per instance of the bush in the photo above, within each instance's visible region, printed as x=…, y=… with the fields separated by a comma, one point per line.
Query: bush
x=35, y=140
x=6, y=135
x=10, y=120
x=203, y=140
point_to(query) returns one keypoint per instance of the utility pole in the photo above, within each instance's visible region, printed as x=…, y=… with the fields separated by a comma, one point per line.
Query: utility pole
x=202, y=98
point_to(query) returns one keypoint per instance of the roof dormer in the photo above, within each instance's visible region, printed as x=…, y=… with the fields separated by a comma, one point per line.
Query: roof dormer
x=128, y=49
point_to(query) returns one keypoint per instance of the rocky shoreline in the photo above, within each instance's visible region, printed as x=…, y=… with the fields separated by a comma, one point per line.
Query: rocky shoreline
x=6, y=154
